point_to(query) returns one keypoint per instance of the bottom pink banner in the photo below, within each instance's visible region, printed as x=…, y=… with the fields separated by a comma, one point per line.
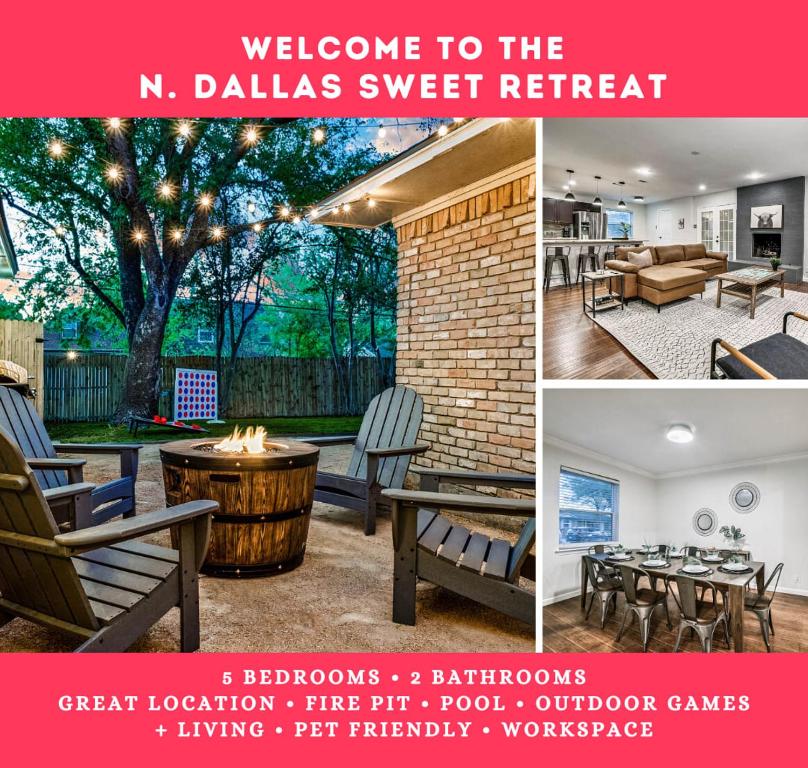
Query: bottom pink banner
x=358, y=709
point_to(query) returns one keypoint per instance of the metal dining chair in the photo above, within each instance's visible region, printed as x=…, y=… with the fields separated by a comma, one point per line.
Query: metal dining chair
x=700, y=616
x=690, y=551
x=600, y=549
x=587, y=254
x=553, y=254
x=641, y=602
x=760, y=603
x=605, y=585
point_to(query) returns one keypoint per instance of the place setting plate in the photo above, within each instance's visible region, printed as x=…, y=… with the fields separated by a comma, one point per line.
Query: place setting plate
x=653, y=563
x=735, y=568
x=620, y=558
x=695, y=570
x=713, y=559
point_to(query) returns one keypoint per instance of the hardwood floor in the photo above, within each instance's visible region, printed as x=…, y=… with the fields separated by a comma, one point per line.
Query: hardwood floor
x=566, y=631
x=576, y=348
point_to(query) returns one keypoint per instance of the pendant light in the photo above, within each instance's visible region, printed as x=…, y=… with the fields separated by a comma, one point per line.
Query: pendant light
x=597, y=200
x=569, y=195
x=621, y=203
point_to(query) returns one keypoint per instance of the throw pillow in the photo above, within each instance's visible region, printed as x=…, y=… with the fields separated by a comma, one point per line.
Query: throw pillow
x=642, y=259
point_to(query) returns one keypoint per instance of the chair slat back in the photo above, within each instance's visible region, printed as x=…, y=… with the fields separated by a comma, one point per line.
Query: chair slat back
x=20, y=419
x=628, y=574
x=685, y=595
x=392, y=420
x=520, y=550
x=36, y=580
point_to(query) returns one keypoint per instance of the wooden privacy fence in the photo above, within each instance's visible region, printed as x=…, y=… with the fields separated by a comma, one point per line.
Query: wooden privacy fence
x=21, y=342
x=88, y=388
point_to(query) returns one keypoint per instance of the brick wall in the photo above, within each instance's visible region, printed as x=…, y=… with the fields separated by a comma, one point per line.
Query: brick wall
x=466, y=323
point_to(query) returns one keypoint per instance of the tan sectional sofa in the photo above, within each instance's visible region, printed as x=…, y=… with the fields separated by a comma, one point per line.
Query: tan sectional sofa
x=677, y=271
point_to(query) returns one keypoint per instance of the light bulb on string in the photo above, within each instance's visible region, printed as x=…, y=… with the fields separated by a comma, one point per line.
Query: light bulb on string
x=318, y=135
x=314, y=213
x=257, y=227
x=250, y=135
x=443, y=130
x=114, y=173
x=176, y=235
x=59, y=230
x=166, y=190
x=185, y=129
x=371, y=203
x=382, y=131
x=205, y=201
x=56, y=149
x=138, y=235
x=216, y=233
x=250, y=207
x=296, y=220
x=346, y=207
x=285, y=212
x=113, y=124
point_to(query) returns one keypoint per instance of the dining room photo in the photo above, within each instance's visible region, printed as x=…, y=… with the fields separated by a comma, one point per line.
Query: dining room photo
x=674, y=521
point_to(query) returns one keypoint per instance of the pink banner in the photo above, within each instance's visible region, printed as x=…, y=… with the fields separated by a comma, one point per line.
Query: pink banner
x=135, y=710
x=415, y=58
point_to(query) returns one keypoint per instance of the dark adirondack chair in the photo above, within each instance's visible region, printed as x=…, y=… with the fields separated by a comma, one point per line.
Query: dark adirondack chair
x=381, y=454
x=428, y=546
x=97, y=584
x=58, y=477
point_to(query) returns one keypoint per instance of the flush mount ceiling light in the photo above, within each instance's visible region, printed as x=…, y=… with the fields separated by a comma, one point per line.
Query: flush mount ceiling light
x=643, y=171
x=680, y=433
x=754, y=175
x=597, y=200
x=702, y=187
x=569, y=195
x=638, y=198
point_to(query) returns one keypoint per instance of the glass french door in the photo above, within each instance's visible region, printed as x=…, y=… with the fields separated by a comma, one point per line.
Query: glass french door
x=717, y=229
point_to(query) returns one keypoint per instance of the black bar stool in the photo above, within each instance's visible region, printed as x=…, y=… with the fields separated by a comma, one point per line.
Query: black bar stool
x=609, y=255
x=553, y=254
x=587, y=254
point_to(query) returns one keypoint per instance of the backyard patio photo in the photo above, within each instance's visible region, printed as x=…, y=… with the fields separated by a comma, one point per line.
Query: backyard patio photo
x=278, y=374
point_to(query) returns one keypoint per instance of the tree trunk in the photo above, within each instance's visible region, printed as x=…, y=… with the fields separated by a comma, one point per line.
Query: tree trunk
x=141, y=392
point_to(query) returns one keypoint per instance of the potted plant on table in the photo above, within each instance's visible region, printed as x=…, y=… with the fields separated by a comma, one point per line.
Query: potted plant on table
x=734, y=537
x=775, y=262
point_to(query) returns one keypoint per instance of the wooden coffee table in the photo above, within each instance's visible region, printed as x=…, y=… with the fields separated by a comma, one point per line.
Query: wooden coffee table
x=747, y=283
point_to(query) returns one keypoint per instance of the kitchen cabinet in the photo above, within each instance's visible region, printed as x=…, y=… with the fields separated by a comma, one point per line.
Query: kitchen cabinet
x=564, y=209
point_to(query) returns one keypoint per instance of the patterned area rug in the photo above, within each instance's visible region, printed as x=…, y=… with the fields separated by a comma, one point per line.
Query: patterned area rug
x=675, y=343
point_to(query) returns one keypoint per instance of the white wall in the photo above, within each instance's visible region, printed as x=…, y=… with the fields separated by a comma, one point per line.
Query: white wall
x=777, y=531
x=562, y=570
x=661, y=510
x=686, y=208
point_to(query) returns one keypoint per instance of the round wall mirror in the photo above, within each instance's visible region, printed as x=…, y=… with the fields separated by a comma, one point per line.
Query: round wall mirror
x=744, y=497
x=705, y=521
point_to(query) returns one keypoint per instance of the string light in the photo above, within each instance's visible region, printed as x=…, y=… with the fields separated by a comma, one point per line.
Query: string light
x=216, y=233
x=251, y=207
x=284, y=212
x=114, y=173
x=59, y=230
x=176, y=235
x=318, y=135
x=371, y=203
x=346, y=207
x=250, y=135
x=138, y=235
x=382, y=131
x=257, y=227
x=315, y=212
x=204, y=201
x=166, y=190
x=185, y=129
x=296, y=220
x=113, y=124
x=443, y=130
x=56, y=149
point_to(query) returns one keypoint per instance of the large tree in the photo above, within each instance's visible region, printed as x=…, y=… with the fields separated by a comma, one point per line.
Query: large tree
x=145, y=195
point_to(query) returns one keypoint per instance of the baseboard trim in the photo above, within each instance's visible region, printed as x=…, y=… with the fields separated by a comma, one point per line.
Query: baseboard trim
x=793, y=591
x=560, y=598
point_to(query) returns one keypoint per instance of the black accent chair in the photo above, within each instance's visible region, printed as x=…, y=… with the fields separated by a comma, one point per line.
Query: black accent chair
x=761, y=605
x=640, y=602
x=606, y=584
x=778, y=356
x=695, y=613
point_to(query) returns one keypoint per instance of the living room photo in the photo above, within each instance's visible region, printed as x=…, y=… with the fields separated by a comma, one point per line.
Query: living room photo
x=673, y=521
x=675, y=248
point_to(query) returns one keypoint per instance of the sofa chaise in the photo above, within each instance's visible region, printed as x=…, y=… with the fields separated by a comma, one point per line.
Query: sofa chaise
x=675, y=271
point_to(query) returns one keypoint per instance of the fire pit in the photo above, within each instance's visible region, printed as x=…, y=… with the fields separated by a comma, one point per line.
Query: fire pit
x=265, y=491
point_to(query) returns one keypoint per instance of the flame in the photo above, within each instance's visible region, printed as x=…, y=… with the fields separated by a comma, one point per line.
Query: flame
x=250, y=442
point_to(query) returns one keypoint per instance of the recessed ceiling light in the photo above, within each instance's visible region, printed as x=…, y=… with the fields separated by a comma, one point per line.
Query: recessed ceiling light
x=644, y=171
x=694, y=152
x=680, y=433
x=702, y=187
x=565, y=187
x=639, y=198
x=754, y=175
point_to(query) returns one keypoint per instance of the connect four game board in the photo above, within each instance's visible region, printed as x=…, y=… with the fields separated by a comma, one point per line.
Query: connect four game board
x=195, y=395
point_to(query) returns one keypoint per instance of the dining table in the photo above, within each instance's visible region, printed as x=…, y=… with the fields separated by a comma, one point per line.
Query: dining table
x=734, y=584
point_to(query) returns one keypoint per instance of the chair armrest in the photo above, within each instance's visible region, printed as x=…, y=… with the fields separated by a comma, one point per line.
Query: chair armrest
x=622, y=266
x=798, y=315
x=491, y=505
x=717, y=255
x=74, y=467
x=739, y=356
x=403, y=450
x=133, y=527
x=331, y=440
x=96, y=447
x=66, y=491
x=432, y=478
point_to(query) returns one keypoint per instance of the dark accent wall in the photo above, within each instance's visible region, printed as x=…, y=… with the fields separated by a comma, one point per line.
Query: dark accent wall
x=790, y=193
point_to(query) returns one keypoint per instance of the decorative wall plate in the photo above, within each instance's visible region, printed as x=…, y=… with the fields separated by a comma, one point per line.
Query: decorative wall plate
x=744, y=497
x=705, y=521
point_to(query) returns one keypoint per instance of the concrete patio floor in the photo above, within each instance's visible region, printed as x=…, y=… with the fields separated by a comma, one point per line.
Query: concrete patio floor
x=339, y=599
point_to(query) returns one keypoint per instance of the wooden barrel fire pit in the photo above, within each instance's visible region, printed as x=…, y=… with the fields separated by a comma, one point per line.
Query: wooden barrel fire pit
x=265, y=501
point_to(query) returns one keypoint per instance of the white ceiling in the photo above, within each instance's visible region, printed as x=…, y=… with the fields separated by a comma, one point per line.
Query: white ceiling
x=730, y=148
x=730, y=426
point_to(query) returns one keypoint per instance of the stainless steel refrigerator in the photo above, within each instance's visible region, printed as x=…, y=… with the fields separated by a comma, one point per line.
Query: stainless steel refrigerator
x=590, y=225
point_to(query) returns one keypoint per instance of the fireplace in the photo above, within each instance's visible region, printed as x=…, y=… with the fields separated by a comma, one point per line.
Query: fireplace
x=265, y=492
x=766, y=245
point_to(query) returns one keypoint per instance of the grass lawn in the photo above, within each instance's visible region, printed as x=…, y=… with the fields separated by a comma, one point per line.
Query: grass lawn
x=95, y=432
